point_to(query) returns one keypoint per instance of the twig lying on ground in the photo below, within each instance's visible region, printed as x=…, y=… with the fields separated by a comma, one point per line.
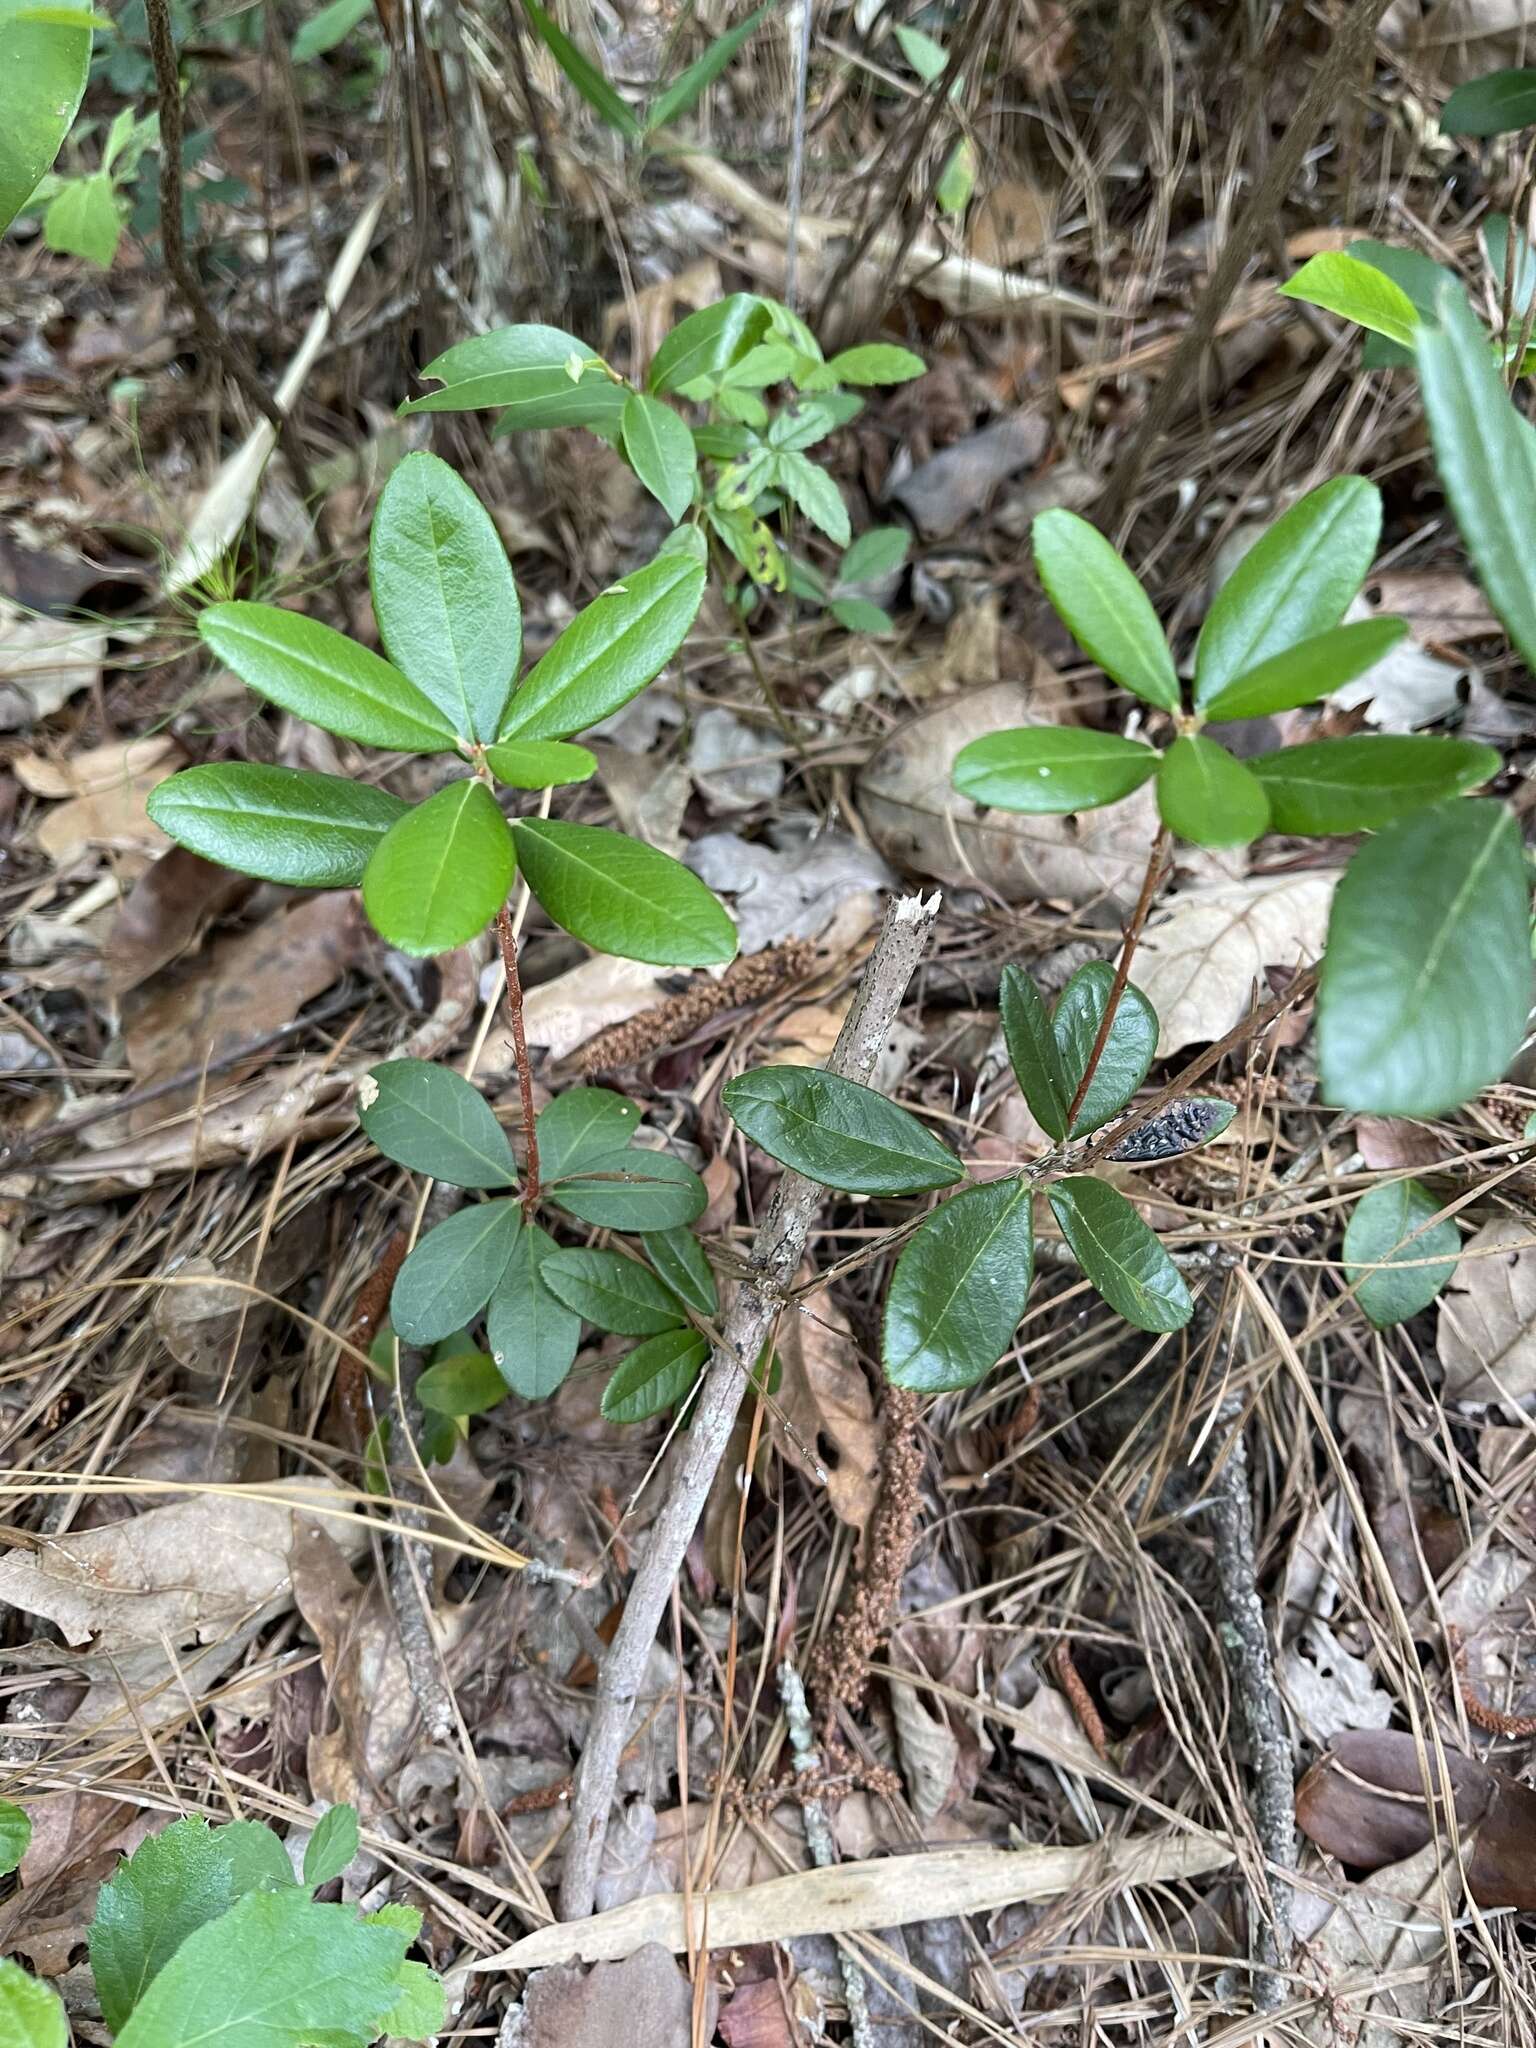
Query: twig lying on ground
x=776, y=1256
x=818, y=1836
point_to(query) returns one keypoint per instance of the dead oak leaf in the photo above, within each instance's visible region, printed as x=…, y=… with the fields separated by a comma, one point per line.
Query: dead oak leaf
x=1487, y=1319
x=825, y=1410
x=1202, y=959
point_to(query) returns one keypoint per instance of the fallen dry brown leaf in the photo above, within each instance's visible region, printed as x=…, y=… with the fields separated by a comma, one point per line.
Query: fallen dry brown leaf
x=95, y=770
x=1487, y=1317
x=825, y=1398
x=1203, y=957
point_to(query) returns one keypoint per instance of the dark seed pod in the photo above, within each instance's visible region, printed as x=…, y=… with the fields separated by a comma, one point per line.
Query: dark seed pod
x=1179, y=1128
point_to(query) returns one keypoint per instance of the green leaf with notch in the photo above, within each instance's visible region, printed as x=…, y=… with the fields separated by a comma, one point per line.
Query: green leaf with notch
x=814, y=493
x=15, y=1834
x=581, y=1125
x=613, y=1292
x=539, y=764
x=1390, y=1234
x=1358, y=291
x=1309, y=670
x=655, y=1376
x=1119, y=1254
x=290, y=825
x=468, y=1383
x=959, y=1289
x=44, y=63
x=1495, y=104
x=634, y=1190
x=441, y=873
x=1103, y=606
x=680, y=1259
x=876, y=362
x=1361, y=783
x=1295, y=582
x=708, y=342
x=839, y=1133
x=609, y=651
x=331, y=1847
x=586, y=76
x=660, y=451
x=526, y=371
x=533, y=1336
x=430, y=1119
x=1128, y=1049
x=1033, y=1051
x=443, y=593
x=31, y=2013
x=1426, y=980
x=690, y=85
x=319, y=674
x=1208, y=797
x=454, y=1271
x=621, y=896
x=1052, y=768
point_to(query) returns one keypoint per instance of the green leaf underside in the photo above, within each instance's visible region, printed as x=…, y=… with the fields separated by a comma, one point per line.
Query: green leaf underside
x=331, y=1847
x=1485, y=453
x=959, y=1289
x=839, y=1133
x=1494, y=104
x=1358, y=784
x=661, y=452
x=655, y=1376
x=441, y=873
x=634, y=1190
x=319, y=674
x=533, y=1337
x=539, y=764
x=467, y=1384
x=31, y=2015
x=708, y=341
x=521, y=368
x=430, y=1119
x=1120, y=1255
x=1426, y=980
x=1052, y=768
x=609, y=652
x=443, y=593
x=43, y=69
x=1386, y=1241
x=454, y=1271
x=1103, y=606
x=690, y=85
x=290, y=825
x=1033, y=1052
x=586, y=76
x=679, y=1258
x=1310, y=670
x=1128, y=1050
x=1355, y=290
x=15, y=1834
x=613, y=1292
x=621, y=896
x=1207, y=797
x=1295, y=582
x=582, y=1125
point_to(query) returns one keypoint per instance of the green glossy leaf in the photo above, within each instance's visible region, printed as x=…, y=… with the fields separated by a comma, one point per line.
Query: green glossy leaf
x=634, y=1190
x=613, y=1292
x=1426, y=981
x=609, y=651
x=1309, y=670
x=660, y=451
x=526, y=370
x=1128, y=1050
x=708, y=341
x=332, y=1846
x=15, y=1834
x=429, y=1118
x=440, y=874
x=31, y=2014
x=539, y=764
x=1420, y=277
x=1485, y=452
x=1357, y=784
x=1120, y=1255
x=454, y=1271
x=1495, y=104
x=1044, y=768
x=1384, y=1242
x=1295, y=582
x=594, y=401
x=690, y=85
x=814, y=493
x=680, y=1259
x=586, y=76
x=876, y=362
x=319, y=674
x=469, y=1382
x=655, y=1376
x=332, y=25
x=289, y=825
x=839, y=1133
x=959, y=1289
x=43, y=68
x=1207, y=797
x=443, y=593
x=83, y=219
x=275, y=1971
x=533, y=1336
x=873, y=556
x=1343, y=284
x=621, y=896
x=581, y=1125
x=1103, y=606
x=1033, y=1052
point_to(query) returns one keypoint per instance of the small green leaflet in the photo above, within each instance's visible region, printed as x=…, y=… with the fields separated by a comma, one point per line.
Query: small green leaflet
x=1128, y=1050
x=1361, y=783
x=527, y=371
x=454, y=1271
x=679, y=1258
x=584, y=74
x=1390, y=1232
x=1357, y=291
x=839, y=1133
x=633, y=1190
x=332, y=1846
x=323, y=31
x=1309, y=670
x=622, y=896
x=873, y=557
x=290, y=825
x=1052, y=768
x=957, y=180
x=660, y=451
x=1426, y=980
x=31, y=2015
x=1120, y=1255
x=1103, y=606
x=814, y=493
x=656, y=1375
x=533, y=1336
x=440, y=873
x=876, y=362
x=44, y=63
x=1207, y=797
x=1495, y=104
x=83, y=220
x=319, y=674
x=612, y=1292
x=15, y=1834
x=539, y=764
x=690, y=85
x=927, y=57
x=959, y=1289
x=427, y=1117
x=1033, y=1052
x=708, y=342
x=581, y=1125
x=468, y=1383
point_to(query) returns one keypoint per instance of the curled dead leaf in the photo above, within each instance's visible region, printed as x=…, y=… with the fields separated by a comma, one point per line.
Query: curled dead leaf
x=1203, y=958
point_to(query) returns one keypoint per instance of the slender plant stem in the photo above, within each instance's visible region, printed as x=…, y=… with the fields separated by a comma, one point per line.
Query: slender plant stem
x=508, y=939
x=1133, y=931
x=797, y=152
